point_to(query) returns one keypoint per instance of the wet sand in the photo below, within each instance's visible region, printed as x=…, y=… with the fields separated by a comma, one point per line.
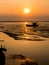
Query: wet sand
x=38, y=50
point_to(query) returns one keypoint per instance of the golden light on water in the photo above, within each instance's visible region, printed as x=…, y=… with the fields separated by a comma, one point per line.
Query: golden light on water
x=26, y=22
x=26, y=10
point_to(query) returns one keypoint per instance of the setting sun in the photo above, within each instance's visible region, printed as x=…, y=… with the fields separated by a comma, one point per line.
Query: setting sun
x=26, y=10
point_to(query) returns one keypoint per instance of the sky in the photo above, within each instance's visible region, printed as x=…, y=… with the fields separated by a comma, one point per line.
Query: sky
x=14, y=9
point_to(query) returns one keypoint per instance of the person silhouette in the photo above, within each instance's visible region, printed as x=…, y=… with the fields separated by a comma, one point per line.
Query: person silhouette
x=2, y=56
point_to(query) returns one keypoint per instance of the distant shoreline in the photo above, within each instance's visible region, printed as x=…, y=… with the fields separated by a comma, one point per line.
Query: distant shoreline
x=24, y=21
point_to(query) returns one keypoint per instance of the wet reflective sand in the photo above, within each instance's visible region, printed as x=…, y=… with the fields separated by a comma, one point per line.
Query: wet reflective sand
x=38, y=50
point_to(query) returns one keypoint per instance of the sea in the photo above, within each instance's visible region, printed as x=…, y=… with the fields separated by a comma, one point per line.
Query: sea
x=20, y=30
x=20, y=39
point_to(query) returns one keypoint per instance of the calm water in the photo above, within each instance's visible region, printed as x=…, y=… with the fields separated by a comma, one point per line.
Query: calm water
x=28, y=41
x=19, y=30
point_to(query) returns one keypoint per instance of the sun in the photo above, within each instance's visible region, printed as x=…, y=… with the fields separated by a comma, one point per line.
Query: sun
x=26, y=10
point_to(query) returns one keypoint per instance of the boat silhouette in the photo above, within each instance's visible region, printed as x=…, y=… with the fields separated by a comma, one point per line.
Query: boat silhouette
x=34, y=24
x=2, y=56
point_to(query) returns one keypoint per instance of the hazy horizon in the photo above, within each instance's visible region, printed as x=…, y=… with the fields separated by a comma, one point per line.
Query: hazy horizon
x=21, y=18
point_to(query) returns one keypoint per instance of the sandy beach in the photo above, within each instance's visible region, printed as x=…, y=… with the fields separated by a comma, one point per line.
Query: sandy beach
x=38, y=50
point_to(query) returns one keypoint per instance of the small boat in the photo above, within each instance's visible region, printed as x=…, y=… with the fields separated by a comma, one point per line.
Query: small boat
x=33, y=25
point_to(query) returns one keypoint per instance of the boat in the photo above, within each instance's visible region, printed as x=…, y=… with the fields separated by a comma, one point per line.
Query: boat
x=32, y=25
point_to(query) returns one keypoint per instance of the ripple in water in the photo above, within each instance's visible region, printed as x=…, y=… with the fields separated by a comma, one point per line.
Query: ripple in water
x=21, y=31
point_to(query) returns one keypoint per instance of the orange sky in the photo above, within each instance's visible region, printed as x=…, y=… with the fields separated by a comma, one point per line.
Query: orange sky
x=15, y=7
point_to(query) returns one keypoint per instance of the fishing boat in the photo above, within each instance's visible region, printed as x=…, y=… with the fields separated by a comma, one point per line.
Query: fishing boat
x=32, y=25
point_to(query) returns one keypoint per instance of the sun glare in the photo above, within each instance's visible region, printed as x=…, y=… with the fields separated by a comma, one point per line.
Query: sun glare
x=26, y=10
